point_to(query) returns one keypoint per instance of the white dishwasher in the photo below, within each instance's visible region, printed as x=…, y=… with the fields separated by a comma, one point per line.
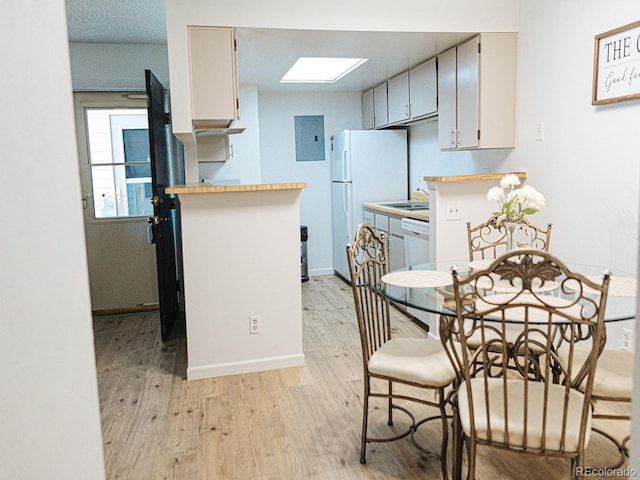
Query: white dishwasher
x=416, y=241
x=416, y=251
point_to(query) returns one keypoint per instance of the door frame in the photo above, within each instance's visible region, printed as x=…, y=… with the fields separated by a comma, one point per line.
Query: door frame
x=108, y=100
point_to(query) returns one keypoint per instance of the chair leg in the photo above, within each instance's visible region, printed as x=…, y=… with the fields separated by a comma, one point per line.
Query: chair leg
x=457, y=446
x=365, y=415
x=390, y=404
x=445, y=434
x=471, y=454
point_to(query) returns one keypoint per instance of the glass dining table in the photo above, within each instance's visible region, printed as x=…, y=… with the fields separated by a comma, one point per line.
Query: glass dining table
x=428, y=288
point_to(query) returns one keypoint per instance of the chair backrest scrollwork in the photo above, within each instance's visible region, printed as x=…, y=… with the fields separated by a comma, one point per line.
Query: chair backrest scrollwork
x=367, y=265
x=489, y=240
x=503, y=343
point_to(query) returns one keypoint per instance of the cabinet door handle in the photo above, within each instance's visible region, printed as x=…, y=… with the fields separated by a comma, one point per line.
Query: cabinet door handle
x=453, y=137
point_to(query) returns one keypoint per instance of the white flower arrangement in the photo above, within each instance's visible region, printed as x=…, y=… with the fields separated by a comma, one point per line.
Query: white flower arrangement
x=515, y=203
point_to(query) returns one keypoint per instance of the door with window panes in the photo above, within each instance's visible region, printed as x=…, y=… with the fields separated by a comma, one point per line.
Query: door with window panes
x=113, y=146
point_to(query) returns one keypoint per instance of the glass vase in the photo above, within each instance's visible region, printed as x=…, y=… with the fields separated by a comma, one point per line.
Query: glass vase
x=511, y=231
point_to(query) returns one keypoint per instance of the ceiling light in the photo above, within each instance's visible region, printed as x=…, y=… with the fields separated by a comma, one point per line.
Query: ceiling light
x=320, y=69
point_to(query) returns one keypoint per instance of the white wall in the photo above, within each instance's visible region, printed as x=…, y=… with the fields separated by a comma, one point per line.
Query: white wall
x=111, y=67
x=426, y=158
x=49, y=408
x=588, y=163
x=278, y=153
x=245, y=165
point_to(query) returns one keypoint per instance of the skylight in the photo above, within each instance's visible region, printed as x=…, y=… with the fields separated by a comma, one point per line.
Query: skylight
x=320, y=69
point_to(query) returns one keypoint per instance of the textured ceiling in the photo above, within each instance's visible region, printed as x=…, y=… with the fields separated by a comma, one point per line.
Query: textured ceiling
x=116, y=21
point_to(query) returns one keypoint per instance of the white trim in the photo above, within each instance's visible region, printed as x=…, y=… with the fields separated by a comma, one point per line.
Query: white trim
x=317, y=272
x=245, y=366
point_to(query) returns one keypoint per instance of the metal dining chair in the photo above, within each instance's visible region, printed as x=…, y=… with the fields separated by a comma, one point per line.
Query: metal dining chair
x=488, y=240
x=543, y=405
x=613, y=382
x=416, y=362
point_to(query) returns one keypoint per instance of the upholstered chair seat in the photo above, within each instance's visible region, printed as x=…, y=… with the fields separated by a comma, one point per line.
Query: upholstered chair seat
x=414, y=360
x=516, y=396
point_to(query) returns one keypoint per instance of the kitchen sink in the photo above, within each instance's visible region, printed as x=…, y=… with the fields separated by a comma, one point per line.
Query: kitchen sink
x=407, y=205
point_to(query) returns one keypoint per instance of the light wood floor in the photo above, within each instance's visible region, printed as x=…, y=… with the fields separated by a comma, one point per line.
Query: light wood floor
x=285, y=424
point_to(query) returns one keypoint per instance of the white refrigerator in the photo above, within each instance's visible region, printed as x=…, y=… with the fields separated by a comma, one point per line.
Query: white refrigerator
x=366, y=166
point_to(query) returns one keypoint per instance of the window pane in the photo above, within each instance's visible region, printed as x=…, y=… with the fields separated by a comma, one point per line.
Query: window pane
x=120, y=159
x=136, y=150
x=104, y=192
x=139, y=192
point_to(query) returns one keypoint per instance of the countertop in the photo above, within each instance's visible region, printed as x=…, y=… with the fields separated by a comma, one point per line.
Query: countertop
x=205, y=187
x=466, y=178
x=398, y=212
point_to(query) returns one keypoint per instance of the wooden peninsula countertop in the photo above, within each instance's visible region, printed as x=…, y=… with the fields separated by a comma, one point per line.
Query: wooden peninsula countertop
x=205, y=187
x=480, y=176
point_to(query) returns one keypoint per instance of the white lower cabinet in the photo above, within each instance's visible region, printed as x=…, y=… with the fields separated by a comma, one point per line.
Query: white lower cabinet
x=381, y=222
x=391, y=226
x=396, y=244
x=369, y=217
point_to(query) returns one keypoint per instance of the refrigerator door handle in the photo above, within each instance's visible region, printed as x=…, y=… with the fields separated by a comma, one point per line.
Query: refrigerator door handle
x=345, y=202
x=344, y=166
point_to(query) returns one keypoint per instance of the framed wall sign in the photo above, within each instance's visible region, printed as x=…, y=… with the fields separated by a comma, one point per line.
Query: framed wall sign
x=616, y=65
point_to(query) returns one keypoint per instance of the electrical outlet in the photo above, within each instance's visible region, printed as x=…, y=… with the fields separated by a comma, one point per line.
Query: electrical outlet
x=539, y=131
x=453, y=211
x=626, y=339
x=254, y=324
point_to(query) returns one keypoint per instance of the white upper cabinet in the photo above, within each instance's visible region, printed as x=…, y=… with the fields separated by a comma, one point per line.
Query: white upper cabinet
x=381, y=118
x=213, y=77
x=468, y=128
x=476, y=93
x=398, y=98
x=423, y=90
x=368, y=121
x=447, y=104
x=411, y=95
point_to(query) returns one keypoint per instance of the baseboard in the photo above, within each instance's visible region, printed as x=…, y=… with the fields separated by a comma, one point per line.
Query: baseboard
x=320, y=271
x=245, y=366
x=125, y=310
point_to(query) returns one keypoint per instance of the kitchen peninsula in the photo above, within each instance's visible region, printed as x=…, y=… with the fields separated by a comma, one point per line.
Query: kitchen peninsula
x=453, y=201
x=241, y=257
